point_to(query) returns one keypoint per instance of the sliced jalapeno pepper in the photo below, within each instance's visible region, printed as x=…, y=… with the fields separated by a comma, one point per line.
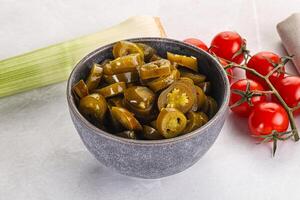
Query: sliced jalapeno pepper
x=147, y=50
x=195, y=121
x=213, y=107
x=205, y=106
x=104, y=62
x=150, y=133
x=197, y=78
x=189, y=62
x=124, y=48
x=144, y=115
x=189, y=82
x=123, y=64
x=155, y=69
x=140, y=100
x=205, y=86
x=80, y=89
x=126, y=103
x=155, y=57
x=163, y=82
x=153, y=124
x=127, y=77
x=127, y=134
x=170, y=122
x=186, y=81
x=180, y=95
x=112, y=90
x=113, y=124
x=139, y=96
x=126, y=118
x=93, y=106
x=174, y=66
x=94, y=77
x=110, y=122
x=132, y=84
x=116, y=101
x=201, y=97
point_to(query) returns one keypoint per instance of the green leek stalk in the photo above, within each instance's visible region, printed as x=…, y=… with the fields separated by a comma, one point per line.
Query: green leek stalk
x=54, y=63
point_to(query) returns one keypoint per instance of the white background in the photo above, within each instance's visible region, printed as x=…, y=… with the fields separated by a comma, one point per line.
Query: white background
x=41, y=155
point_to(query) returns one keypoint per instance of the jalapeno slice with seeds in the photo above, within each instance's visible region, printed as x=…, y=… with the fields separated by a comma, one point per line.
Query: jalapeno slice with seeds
x=94, y=77
x=112, y=90
x=189, y=83
x=179, y=95
x=155, y=69
x=124, y=48
x=170, y=122
x=93, y=106
x=123, y=64
x=189, y=62
x=126, y=118
x=80, y=89
x=195, y=120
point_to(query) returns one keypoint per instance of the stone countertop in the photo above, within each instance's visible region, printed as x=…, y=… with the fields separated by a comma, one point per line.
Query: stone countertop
x=42, y=156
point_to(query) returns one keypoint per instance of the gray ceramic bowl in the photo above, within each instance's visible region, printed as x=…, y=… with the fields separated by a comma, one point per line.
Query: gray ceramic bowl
x=160, y=158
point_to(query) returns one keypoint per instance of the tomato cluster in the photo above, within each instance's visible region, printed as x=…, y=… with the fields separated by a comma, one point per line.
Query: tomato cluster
x=253, y=96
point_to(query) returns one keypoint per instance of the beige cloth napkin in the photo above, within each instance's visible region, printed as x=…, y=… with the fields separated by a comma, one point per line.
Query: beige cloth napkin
x=289, y=32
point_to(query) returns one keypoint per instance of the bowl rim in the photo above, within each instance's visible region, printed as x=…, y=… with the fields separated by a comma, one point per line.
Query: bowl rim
x=222, y=109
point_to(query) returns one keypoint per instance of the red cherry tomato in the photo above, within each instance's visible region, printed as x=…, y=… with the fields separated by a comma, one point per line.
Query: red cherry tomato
x=245, y=109
x=262, y=63
x=289, y=90
x=197, y=43
x=267, y=117
x=229, y=71
x=229, y=45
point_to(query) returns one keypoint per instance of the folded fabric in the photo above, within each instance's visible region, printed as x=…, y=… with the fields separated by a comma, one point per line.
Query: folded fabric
x=289, y=32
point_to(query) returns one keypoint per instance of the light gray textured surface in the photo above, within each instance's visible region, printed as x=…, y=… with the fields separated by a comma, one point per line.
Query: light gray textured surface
x=43, y=158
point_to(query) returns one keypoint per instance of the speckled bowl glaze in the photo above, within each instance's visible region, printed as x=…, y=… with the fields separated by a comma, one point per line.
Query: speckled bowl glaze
x=157, y=158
